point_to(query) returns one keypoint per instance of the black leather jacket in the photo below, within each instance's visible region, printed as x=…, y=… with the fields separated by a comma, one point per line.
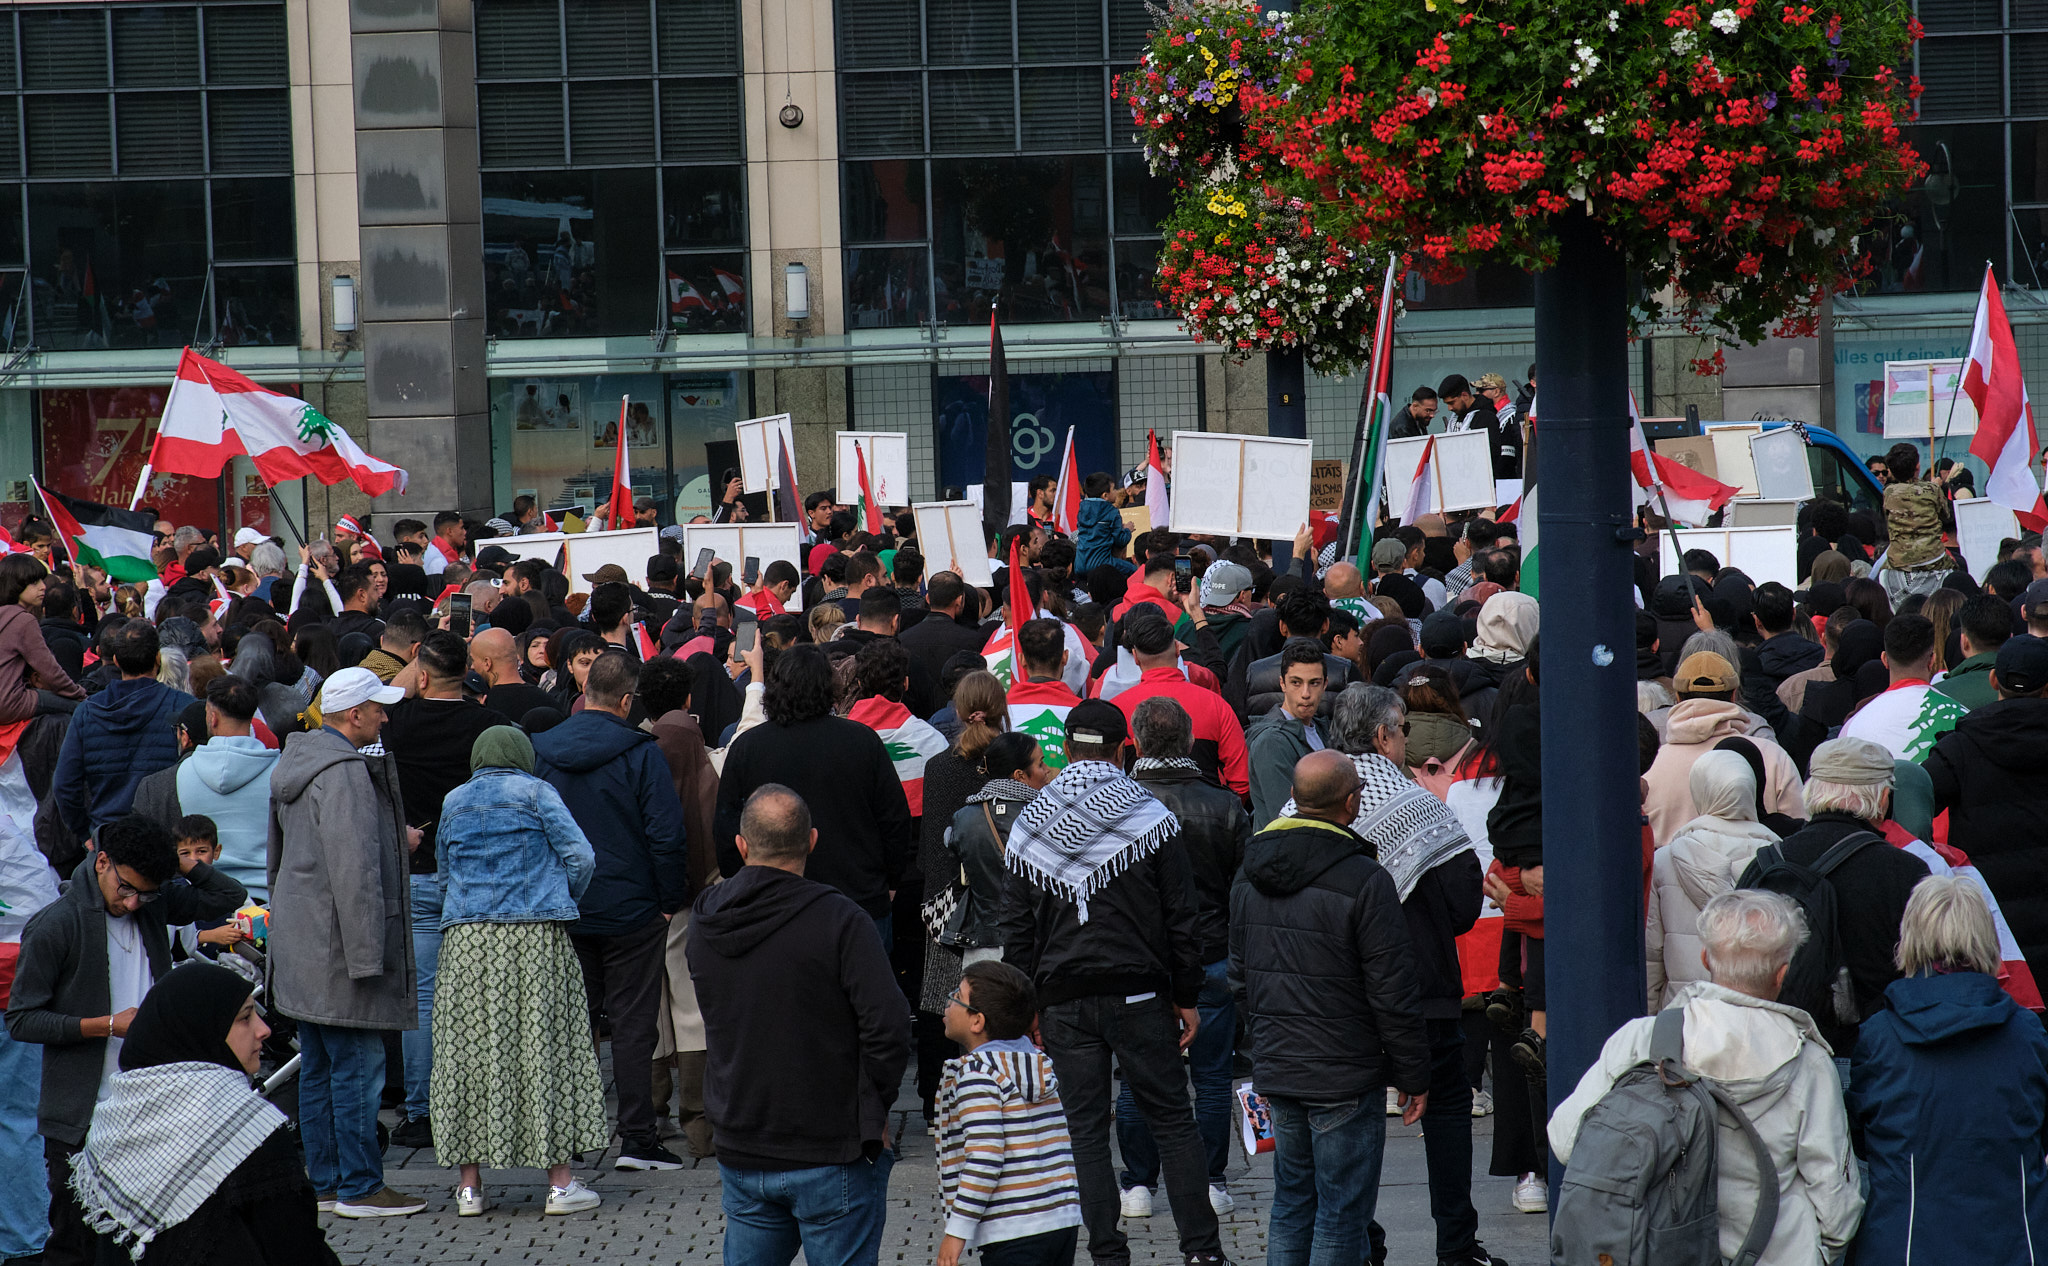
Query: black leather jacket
x=1213, y=829
x=980, y=831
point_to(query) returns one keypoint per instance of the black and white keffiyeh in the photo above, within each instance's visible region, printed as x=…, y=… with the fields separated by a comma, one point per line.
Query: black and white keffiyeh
x=1085, y=828
x=1413, y=831
x=162, y=1142
x=1002, y=789
x=1146, y=763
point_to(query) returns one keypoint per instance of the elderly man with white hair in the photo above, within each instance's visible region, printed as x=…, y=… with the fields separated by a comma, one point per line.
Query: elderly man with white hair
x=1772, y=1062
x=1848, y=796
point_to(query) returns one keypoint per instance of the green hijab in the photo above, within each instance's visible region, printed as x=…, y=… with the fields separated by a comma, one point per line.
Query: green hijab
x=502, y=747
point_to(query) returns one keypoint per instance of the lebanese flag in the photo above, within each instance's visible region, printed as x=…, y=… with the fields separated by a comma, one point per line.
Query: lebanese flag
x=871, y=514
x=1155, y=483
x=762, y=602
x=1689, y=497
x=1996, y=384
x=683, y=298
x=347, y=525
x=2014, y=976
x=214, y=413
x=648, y=650
x=1066, y=494
x=909, y=741
x=622, y=478
x=11, y=545
x=1039, y=708
x=1418, y=488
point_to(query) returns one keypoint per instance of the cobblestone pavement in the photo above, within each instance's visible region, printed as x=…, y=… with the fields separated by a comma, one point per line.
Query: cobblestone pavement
x=675, y=1217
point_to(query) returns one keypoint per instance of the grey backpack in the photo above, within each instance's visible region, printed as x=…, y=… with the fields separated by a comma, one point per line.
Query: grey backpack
x=1641, y=1188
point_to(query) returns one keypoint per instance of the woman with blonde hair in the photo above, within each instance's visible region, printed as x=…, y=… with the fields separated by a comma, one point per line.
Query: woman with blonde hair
x=1949, y=1085
x=823, y=621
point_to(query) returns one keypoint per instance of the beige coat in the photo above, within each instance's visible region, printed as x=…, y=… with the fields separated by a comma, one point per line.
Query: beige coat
x=1696, y=725
x=1702, y=861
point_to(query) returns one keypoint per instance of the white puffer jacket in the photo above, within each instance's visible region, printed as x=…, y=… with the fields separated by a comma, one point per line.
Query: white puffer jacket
x=1700, y=863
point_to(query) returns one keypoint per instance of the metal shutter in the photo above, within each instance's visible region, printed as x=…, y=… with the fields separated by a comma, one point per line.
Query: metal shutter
x=973, y=112
x=1064, y=107
x=156, y=46
x=250, y=131
x=1059, y=30
x=1130, y=28
x=6, y=51
x=700, y=36
x=10, y=143
x=611, y=122
x=518, y=39
x=879, y=33
x=67, y=135
x=519, y=125
x=66, y=48
x=2030, y=74
x=159, y=132
x=700, y=120
x=961, y=32
x=1962, y=77
x=881, y=113
x=1942, y=16
x=245, y=44
x=609, y=37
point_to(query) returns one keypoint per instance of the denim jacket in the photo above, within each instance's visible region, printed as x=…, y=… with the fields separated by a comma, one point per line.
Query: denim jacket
x=510, y=852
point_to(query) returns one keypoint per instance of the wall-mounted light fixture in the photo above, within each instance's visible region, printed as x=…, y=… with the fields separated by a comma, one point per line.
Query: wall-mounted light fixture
x=344, y=291
x=797, y=292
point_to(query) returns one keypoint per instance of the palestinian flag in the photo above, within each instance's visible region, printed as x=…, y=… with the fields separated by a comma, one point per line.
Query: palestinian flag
x=910, y=743
x=1522, y=515
x=1039, y=708
x=94, y=535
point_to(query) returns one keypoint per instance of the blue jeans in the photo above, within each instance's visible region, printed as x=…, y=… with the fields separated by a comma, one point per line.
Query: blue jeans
x=341, y=1079
x=24, y=1198
x=418, y=1044
x=1209, y=1064
x=834, y=1213
x=1326, y=1179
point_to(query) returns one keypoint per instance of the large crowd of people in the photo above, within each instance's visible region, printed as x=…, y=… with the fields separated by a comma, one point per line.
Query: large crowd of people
x=1069, y=854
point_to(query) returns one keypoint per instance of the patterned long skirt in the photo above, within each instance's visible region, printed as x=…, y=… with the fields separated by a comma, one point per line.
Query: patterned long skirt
x=515, y=1082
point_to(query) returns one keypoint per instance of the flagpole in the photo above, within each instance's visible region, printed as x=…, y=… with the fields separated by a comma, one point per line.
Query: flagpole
x=279, y=503
x=141, y=486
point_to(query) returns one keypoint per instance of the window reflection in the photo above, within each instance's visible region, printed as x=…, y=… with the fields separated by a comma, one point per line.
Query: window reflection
x=705, y=206
x=570, y=253
x=1032, y=231
x=707, y=294
x=887, y=286
x=121, y=265
x=256, y=306
x=1488, y=285
x=885, y=201
x=1137, y=290
x=1941, y=232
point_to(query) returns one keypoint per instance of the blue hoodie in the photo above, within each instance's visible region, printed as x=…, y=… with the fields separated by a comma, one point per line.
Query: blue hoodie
x=1950, y=1089
x=227, y=778
x=616, y=785
x=117, y=738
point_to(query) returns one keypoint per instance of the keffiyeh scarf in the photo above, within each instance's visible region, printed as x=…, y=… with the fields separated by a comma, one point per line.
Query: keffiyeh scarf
x=161, y=1143
x=1413, y=831
x=1085, y=828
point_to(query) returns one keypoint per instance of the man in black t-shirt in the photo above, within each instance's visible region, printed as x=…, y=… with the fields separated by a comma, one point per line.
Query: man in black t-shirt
x=494, y=656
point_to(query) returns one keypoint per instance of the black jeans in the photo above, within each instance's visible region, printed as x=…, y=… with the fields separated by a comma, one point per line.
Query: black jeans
x=1047, y=1248
x=1446, y=1145
x=71, y=1242
x=622, y=975
x=1081, y=1035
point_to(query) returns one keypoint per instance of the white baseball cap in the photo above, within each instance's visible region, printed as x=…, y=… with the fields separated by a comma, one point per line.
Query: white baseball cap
x=249, y=536
x=351, y=686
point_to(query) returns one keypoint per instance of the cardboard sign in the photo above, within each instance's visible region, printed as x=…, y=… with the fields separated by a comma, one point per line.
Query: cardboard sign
x=1240, y=485
x=1326, y=483
x=1980, y=525
x=1779, y=460
x=545, y=546
x=1924, y=400
x=888, y=459
x=1762, y=553
x=761, y=441
x=1695, y=452
x=630, y=548
x=949, y=534
x=1137, y=518
x=734, y=543
x=1732, y=458
x=1462, y=478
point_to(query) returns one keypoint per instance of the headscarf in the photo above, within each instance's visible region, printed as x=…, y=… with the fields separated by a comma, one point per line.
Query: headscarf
x=255, y=660
x=1830, y=567
x=1829, y=703
x=1387, y=641
x=180, y=1115
x=1724, y=787
x=1779, y=823
x=502, y=747
x=714, y=700
x=1507, y=624
x=542, y=719
x=524, y=641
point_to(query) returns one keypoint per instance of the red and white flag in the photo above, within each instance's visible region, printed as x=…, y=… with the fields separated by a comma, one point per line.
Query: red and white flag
x=622, y=478
x=645, y=644
x=1690, y=498
x=1996, y=384
x=1155, y=483
x=214, y=414
x=871, y=513
x=348, y=525
x=1066, y=494
x=8, y=545
x=1418, y=489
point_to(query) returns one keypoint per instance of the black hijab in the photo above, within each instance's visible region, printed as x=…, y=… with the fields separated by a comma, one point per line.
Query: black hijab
x=1829, y=703
x=714, y=700
x=185, y=1018
x=1778, y=823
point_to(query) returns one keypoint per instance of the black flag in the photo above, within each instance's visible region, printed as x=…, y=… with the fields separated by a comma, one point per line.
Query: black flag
x=995, y=484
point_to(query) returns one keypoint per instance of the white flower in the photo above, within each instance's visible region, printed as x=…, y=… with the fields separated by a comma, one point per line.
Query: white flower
x=1725, y=21
x=1683, y=42
x=1584, y=60
x=1427, y=93
x=1823, y=237
x=1577, y=193
x=1597, y=125
x=1614, y=19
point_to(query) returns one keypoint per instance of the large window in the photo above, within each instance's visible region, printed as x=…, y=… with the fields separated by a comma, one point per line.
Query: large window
x=145, y=176
x=613, y=184
x=984, y=161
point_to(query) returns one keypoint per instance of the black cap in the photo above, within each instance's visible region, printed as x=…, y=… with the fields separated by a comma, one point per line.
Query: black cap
x=2022, y=666
x=662, y=567
x=201, y=559
x=495, y=556
x=1097, y=722
x=1443, y=635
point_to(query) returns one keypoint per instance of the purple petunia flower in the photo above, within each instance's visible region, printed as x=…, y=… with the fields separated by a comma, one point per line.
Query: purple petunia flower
x=1770, y=101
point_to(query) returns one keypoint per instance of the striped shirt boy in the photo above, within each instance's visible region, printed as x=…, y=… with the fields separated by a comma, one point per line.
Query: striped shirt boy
x=1006, y=1166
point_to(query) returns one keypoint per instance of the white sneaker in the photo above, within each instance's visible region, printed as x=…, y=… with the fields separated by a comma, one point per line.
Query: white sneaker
x=1137, y=1202
x=1482, y=1103
x=1393, y=1102
x=574, y=1198
x=1219, y=1199
x=470, y=1202
x=1532, y=1195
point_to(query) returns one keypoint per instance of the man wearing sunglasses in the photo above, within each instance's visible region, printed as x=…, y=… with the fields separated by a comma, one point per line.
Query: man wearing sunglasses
x=86, y=961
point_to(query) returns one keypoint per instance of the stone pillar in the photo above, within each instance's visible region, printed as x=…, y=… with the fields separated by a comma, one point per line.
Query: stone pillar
x=422, y=287
x=1783, y=377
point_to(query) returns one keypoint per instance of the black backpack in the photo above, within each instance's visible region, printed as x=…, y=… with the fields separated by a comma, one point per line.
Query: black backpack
x=1818, y=981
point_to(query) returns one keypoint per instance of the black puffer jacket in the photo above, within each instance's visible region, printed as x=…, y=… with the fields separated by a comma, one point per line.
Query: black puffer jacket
x=1987, y=774
x=1139, y=937
x=1323, y=969
x=1214, y=829
x=1262, y=685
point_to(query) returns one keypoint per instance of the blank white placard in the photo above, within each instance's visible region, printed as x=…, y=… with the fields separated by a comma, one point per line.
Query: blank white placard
x=735, y=542
x=542, y=545
x=1732, y=460
x=1462, y=480
x=1761, y=553
x=630, y=548
x=888, y=458
x=1240, y=485
x=1757, y=512
x=1980, y=525
x=760, y=442
x=1778, y=459
x=950, y=538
